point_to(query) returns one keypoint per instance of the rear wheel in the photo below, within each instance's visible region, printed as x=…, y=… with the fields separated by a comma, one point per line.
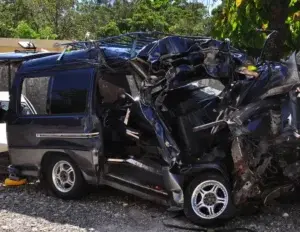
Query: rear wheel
x=64, y=178
x=208, y=200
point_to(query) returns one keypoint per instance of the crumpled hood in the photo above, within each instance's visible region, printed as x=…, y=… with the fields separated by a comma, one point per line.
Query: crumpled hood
x=191, y=53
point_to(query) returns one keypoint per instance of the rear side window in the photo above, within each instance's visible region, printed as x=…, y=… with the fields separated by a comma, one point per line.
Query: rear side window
x=34, y=93
x=64, y=93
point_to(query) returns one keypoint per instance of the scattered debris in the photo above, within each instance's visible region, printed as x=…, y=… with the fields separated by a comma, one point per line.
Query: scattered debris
x=10, y=182
x=285, y=215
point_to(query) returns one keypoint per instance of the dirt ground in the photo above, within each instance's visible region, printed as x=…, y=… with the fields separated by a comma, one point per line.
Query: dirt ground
x=27, y=208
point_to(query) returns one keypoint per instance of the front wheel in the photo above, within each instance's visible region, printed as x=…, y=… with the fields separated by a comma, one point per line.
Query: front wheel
x=65, y=178
x=208, y=200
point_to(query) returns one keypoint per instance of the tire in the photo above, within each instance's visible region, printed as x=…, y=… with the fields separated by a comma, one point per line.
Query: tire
x=68, y=182
x=222, y=211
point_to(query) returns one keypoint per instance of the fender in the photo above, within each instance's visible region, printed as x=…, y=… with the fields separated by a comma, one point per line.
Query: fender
x=175, y=179
x=204, y=167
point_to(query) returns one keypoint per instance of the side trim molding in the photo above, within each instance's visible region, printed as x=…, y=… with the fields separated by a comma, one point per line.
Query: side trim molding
x=68, y=135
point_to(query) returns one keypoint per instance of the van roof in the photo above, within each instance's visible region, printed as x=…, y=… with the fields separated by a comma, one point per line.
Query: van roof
x=4, y=96
x=20, y=56
x=74, y=57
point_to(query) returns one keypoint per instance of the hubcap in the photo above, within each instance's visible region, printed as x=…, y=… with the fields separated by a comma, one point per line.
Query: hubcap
x=63, y=176
x=209, y=199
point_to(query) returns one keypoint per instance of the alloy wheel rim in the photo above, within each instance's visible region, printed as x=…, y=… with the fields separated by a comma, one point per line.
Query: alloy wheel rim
x=63, y=176
x=209, y=199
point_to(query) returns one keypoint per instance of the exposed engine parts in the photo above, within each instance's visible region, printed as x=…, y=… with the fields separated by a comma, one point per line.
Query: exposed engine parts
x=245, y=185
x=275, y=116
x=254, y=113
x=292, y=171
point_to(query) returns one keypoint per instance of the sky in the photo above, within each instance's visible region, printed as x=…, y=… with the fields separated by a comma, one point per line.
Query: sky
x=211, y=4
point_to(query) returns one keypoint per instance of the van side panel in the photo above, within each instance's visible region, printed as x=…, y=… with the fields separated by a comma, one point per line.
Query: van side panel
x=78, y=135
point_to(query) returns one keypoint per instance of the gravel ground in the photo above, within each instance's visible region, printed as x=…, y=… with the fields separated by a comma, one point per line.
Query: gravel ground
x=27, y=208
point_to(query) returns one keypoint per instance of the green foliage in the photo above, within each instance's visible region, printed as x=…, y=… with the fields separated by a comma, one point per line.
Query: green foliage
x=5, y=30
x=109, y=29
x=71, y=19
x=23, y=30
x=238, y=19
x=234, y=19
x=47, y=33
x=192, y=19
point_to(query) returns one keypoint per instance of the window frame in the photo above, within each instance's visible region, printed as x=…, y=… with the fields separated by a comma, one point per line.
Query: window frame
x=51, y=75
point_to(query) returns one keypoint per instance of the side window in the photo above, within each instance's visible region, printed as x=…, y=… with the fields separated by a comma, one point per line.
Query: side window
x=69, y=92
x=34, y=93
x=63, y=93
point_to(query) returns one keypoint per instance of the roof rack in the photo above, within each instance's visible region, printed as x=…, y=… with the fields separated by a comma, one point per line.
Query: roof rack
x=142, y=38
x=131, y=40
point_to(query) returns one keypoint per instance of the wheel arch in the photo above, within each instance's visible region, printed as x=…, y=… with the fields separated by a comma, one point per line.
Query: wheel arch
x=82, y=160
x=200, y=169
x=50, y=154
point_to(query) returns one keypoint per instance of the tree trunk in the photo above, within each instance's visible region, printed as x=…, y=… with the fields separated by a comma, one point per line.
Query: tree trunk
x=56, y=17
x=278, y=14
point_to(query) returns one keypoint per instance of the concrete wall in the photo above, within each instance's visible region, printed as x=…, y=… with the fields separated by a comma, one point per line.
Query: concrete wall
x=4, y=76
x=11, y=44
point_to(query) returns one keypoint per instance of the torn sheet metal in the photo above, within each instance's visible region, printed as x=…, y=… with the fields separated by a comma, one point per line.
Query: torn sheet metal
x=212, y=55
x=173, y=184
x=245, y=185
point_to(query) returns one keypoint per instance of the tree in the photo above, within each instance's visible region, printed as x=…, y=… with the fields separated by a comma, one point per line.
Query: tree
x=238, y=19
x=71, y=19
x=57, y=14
x=11, y=15
x=23, y=30
x=189, y=18
x=47, y=33
x=109, y=29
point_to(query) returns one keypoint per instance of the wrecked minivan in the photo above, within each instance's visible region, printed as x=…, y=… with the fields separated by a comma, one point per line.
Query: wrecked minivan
x=135, y=116
x=9, y=63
